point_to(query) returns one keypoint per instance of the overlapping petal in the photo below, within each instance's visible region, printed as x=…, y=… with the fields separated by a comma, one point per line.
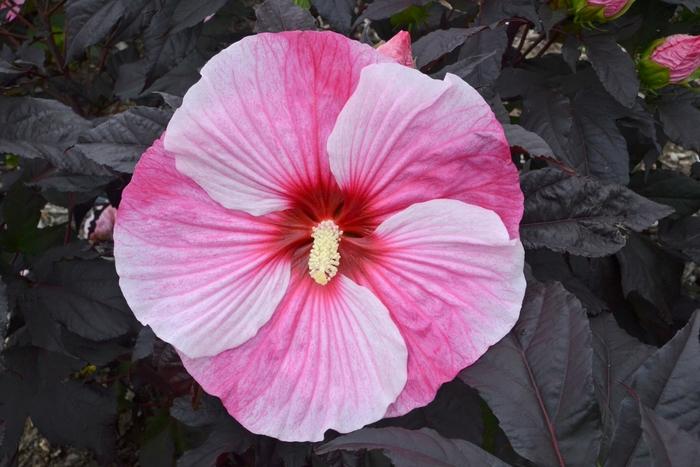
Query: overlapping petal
x=330, y=357
x=253, y=130
x=404, y=138
x=453, y=282
x=205, y=278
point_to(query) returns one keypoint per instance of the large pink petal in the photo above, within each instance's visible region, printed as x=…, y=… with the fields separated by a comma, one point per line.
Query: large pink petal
x=330, y=358
x=205, y=278
x=253, y=130
x=453, y=281
x=404, y=137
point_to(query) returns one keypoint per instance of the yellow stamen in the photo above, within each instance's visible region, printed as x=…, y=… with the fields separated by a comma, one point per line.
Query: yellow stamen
x=324, y=257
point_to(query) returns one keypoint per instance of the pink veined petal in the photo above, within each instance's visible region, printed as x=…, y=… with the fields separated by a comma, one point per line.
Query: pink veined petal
x=254, y=128
x=330, y=358
x=404, y=137
x=453, y=282
x=205, y=278
x=399, y=49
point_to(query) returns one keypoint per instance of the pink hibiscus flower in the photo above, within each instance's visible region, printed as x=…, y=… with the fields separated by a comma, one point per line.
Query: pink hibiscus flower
x=325, y=235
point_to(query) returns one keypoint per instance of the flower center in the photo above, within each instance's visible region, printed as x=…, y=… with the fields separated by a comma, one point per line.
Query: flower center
x=324, y=257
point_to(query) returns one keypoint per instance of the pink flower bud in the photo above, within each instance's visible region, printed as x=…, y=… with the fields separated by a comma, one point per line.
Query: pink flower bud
x=601, y=11
x=104, y=226
x=680, y=55
x=399, y=49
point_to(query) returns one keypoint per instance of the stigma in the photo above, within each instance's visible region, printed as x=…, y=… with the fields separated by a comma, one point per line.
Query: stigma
x=324, y=258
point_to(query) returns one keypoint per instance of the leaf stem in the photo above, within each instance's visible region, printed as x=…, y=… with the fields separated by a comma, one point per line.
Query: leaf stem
x=10, y=37
x=56, y=7
x=51, y=43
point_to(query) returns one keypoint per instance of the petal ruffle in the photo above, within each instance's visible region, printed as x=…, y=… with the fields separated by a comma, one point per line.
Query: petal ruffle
x=205, y=278
x=453, y=282
x=253, y=130
x=330, y=358
x=404, y=138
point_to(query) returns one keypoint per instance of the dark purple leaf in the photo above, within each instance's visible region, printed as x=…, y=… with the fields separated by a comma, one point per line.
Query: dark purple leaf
x=614, y=67
x=188, y=14
x=44, y=129
x=165, y=50
x=65, y=411
x=680, y=115
x=499, y=10
x=89, y=21
x=435, y=44
x=674, y=189
x=670, y=446
x=594, y=281
x=282, y=15
x=580, y=215
x=548, y=115
x=570, y=51
x=4, y=316
x=414, y=448
x=485, y=52
x=454, y=403
x=218, y=431
x=381, y=9
x=119, y=141
x=538, y=380
x=81, y=294
x=338, y=13
x=617, y=355
x=666, y=383
x=527, y=141
x=683, y=235
x=693, y=5
x=650, y=273
x=596, y=146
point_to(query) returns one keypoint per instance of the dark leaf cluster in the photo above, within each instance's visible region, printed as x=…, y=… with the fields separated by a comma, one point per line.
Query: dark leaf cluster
x=603, y=366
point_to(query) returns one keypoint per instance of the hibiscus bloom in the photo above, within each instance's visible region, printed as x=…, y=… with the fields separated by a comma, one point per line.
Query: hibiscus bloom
x=325, y=235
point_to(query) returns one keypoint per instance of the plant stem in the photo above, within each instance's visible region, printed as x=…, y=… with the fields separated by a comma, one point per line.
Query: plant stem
x=51, y=43
x=10, y=37
x=55, y=7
